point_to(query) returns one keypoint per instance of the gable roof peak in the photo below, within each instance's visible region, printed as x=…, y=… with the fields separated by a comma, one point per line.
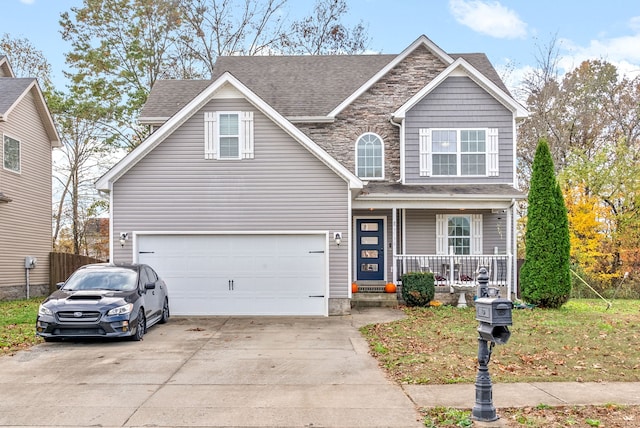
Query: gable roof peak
x=422, y=41
x=5, y=67
x=428, y=43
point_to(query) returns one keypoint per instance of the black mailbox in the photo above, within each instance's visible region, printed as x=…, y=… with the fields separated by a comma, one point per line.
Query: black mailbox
x=494, y=315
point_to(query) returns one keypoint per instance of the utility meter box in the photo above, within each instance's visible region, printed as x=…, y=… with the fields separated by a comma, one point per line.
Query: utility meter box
x=494, y=311
x=30, y=262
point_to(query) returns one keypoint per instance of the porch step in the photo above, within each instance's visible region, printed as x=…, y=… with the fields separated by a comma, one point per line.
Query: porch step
x=370, y=300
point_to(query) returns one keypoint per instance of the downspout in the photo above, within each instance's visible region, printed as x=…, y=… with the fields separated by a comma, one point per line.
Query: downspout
x=400, y=127
x=394, y=237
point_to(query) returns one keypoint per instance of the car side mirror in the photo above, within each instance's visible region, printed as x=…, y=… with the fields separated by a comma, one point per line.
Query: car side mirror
x=60, y=285
x=150, y=286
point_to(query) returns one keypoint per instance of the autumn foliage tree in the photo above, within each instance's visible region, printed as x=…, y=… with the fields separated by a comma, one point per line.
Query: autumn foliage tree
x=591, y=120
x=545, y=276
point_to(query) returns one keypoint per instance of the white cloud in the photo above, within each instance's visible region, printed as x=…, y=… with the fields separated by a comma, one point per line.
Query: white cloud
x=634, y=23
x=488, y=17
x=623, y=52
x=27, y=1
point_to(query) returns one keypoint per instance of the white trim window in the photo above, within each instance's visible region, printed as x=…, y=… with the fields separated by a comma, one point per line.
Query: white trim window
x=228, y=135
x=459, y=152
x=459, y=234
x=370, y=157
x=11, y=152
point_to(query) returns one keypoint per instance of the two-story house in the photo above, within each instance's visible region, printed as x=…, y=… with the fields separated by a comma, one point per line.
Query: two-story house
x=28, y=137
x=273, y=186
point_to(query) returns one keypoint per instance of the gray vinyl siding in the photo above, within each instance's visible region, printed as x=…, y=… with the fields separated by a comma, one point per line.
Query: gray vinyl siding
x=420, y=230
x=25, y=222
x=285, y=188
x=459, y=102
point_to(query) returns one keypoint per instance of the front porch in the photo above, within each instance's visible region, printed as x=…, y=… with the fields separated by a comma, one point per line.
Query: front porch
x=457, y=269
x=447, y=271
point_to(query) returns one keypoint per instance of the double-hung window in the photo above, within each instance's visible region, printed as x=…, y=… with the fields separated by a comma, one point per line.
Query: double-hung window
x=11, y=154
x=458, y=152
x=228, y=135
x=459, y=234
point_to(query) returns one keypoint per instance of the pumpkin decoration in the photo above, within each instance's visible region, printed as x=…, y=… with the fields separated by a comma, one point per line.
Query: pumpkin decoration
x=390, y=287
x=354, y=287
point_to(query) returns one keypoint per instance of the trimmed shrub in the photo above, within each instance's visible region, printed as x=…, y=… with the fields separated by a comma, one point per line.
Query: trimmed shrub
x=418, y=288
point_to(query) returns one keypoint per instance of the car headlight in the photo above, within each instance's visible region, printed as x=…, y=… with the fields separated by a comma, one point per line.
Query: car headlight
x=42, y=310
x=121, y=310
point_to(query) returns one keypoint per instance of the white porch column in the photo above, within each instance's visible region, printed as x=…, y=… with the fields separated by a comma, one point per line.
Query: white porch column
x=511, y=246
x=394, y=231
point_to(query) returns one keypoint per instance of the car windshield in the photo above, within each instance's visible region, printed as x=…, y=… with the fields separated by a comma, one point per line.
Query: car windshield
x=104, y=279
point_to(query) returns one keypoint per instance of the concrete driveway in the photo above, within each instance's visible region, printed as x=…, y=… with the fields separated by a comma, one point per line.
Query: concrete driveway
x=221, y=371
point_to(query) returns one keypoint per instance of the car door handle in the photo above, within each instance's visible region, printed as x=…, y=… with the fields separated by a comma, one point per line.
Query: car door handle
x=318, y=296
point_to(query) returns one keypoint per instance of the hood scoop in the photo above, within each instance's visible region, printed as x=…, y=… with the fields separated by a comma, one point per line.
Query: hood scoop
x=85, y=295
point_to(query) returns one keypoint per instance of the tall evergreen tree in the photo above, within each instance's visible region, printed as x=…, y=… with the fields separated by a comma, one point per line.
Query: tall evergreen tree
x=545, y=277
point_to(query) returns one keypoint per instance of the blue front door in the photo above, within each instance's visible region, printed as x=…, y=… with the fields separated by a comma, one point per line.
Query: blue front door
x=370, y=247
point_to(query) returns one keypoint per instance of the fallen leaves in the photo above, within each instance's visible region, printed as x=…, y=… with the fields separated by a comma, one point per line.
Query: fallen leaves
x=439, y=345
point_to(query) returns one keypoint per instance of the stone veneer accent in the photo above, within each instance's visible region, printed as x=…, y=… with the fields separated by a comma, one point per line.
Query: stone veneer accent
x=372, y=112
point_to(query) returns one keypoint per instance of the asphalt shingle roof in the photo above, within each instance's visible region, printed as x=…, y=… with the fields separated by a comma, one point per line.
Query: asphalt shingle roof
x=11, y=89
x=311, y=85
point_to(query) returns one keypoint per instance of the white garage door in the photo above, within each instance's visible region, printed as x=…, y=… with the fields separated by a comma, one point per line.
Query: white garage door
x=240, y=274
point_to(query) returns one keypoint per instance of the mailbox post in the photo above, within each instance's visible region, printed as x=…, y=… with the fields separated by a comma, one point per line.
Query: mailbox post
x=494, y=315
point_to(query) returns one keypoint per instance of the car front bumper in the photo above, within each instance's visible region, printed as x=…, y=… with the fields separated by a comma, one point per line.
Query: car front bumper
x=52, y=326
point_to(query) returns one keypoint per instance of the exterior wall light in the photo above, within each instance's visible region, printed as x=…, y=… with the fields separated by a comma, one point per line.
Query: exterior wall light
x=337, y=236
x=124, y=236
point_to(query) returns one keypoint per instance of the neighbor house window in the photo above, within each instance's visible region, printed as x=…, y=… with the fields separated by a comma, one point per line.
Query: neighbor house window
x=228, y=135
x=459, y=152
x=11, y=154
x=369, y=157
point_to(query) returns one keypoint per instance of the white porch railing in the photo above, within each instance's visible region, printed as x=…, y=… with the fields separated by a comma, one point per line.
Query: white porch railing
x=456, y=269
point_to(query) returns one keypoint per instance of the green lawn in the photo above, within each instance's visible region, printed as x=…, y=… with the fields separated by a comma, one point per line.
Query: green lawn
x=582, y=341
x=18, y=325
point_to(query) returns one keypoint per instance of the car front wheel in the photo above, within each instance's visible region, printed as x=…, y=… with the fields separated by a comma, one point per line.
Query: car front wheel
x=142, y=325
x=165, y=312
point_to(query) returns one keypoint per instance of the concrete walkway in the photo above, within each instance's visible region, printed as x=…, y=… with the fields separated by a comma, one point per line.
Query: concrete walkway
x=528, y=394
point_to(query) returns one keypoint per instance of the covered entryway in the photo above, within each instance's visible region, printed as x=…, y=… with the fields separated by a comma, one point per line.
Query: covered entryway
x=240, y=274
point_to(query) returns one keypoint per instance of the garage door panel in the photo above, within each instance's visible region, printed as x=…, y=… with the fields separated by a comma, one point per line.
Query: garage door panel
x=240, y=274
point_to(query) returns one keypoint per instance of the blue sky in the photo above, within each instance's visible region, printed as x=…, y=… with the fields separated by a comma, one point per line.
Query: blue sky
x=509, y=32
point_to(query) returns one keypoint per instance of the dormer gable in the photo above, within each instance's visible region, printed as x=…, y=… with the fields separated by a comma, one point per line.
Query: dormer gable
x=460, y=67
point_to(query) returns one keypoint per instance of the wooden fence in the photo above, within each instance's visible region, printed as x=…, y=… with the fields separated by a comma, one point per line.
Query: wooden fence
x=62, y=265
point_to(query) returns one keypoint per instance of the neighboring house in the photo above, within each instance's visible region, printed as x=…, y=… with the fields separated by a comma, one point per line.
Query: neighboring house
x=28, y=136
x=271, y=187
